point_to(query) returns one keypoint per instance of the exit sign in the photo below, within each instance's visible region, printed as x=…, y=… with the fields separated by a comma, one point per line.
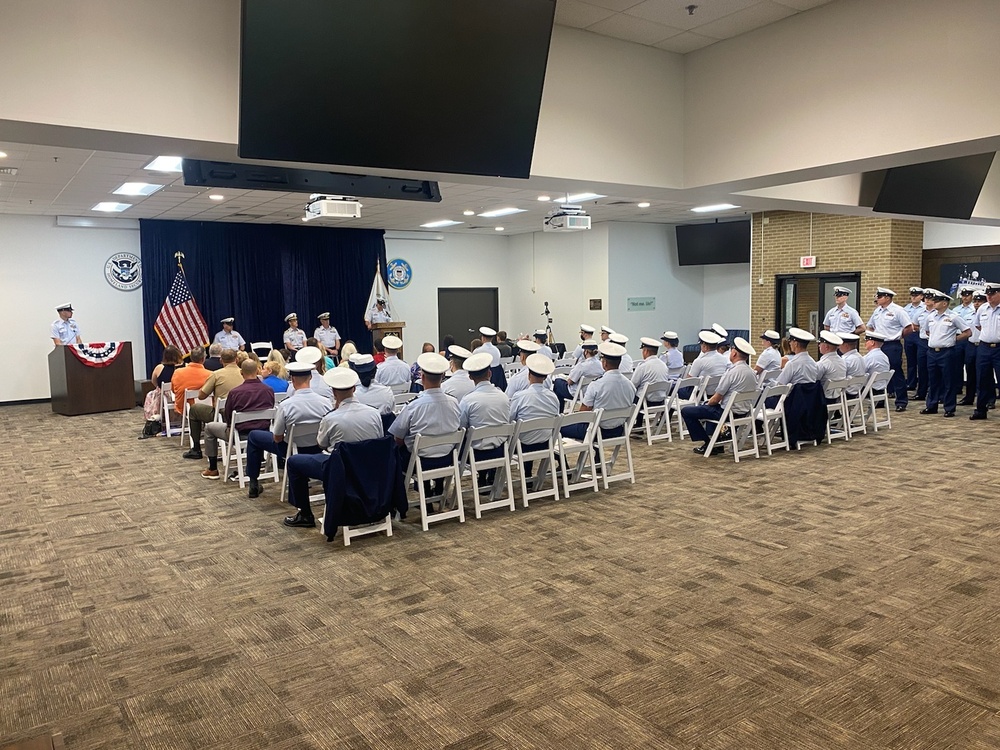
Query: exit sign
x=807, y=261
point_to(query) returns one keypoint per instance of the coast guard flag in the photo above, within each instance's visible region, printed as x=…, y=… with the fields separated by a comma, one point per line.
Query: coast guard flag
x=180, y=322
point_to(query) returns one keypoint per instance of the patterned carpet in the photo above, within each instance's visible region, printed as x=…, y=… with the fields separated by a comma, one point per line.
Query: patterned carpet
x=842, y=597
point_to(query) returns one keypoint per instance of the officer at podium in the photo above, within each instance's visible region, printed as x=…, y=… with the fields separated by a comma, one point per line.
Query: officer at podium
x=65, y=331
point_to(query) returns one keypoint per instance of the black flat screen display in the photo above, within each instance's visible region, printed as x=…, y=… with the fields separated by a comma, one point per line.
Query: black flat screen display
x=417, y=85
x=948, y=188
x=713, y=244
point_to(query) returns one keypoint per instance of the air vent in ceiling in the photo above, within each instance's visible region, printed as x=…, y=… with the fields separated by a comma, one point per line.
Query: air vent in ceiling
x=9, y=171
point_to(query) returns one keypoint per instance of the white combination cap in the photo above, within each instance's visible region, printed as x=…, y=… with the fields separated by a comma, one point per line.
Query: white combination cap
x=771, y=335
x=744, y=346
x=916, y=290
x=541, y=333
x=64, y=306
x=669, y=336
x=341, y=378
x=361, y=359
x=848, y=337
x=433, y=363
x=841, y=291
x=800, y=335
x=478, y=362
x=228, y=320
x=874, y=336
x=651, y=343
x=310, y=354
x=540, y=364
x=291, y=316
x=589, y=345
x=587, y=329
x=618, y=338
x=487, y=331
x=710, y=337
x=323, y=316
x=611, y=349
x=720, y=330
x=392, y=342
x=299, y=368
x=459, y=351
x=966, y=290
x=607, y=329
x=938, y=294
x=881, y=290
x=526, y=345
x=828, y=337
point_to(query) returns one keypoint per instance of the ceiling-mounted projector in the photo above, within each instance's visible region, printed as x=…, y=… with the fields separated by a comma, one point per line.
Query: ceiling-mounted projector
x=332, y=207
x=566, y=218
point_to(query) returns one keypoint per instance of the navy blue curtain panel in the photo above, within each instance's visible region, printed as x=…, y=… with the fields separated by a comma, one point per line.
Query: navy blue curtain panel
x=259, y=273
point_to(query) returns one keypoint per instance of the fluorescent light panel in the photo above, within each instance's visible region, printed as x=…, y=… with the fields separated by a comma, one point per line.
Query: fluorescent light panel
x=137, y=188
x=441, y=224
x=111, y=207
x=713, y=207
x=502, y=212
x=165, y=164
x=579, y=197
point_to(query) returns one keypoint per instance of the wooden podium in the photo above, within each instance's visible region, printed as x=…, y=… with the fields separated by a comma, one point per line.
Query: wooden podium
x=381, y=330
x=81, y=389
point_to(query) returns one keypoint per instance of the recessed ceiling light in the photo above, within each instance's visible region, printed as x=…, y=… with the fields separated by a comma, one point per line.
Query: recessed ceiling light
x=137, y=188
x=441, y=224
x=165, y=164
x=468, y=212
x=544, y=198
x=713, y=207
x=502, y=212
x=499, y=229
x=111, y=207
x=580, y=197
x=216, y=197
x=644, y=204
x=3, y=154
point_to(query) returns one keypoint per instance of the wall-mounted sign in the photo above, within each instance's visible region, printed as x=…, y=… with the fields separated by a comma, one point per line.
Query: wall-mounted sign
x=124, y=271
x=640, y=304
x=400, y=273
x=595, y=304
x=807, y=261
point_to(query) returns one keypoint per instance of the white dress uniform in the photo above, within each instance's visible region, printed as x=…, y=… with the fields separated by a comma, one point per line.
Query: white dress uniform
x=546, y=350
x=831, y=367
x=374, y=315
x=889, y=321
x=486, y=406
x=649, y=370
x=943, y=329
x=769, y=360
x=673, y=358
x=232, y=340
x=350, y=422
x=709, y=363
x=303, y=405
x=67, y=330
x=459, y=385
x=590, y=368
x=319, y=386
x=739, y=378
x=612, y=391
x=842, y=319
x=855, y=365
x=800, y=368
x=627, y=366
x=988, y=322
x=377, y=396
x=393, y=371
x=327, y=336
x=490, y=348
x=294, y=338
x=876, y=361
x=433, y=412
x=519, y=381
x=534, y=402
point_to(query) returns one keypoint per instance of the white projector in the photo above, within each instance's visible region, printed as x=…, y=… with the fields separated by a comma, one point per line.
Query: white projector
x=566, y=219
x=333, y=208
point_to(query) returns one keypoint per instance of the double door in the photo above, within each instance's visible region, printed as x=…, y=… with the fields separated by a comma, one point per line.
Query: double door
x=803, y=299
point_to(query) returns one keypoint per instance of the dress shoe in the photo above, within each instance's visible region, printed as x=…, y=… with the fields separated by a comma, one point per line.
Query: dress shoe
x=926, y=411
x=949, y=414
x=977, y=415
x=300, y=520
x=210, y=474
x=967, y=402
x=255, y=489
x=193, y=453
x=900, y=408
x=701, y=450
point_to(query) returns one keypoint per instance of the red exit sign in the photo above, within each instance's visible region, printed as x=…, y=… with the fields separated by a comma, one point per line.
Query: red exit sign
x=807, y=261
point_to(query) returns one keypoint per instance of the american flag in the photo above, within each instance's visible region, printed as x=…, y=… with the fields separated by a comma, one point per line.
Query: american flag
x=180, y=322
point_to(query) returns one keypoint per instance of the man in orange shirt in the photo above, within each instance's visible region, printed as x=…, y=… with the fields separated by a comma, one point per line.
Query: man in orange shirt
x=189, y=378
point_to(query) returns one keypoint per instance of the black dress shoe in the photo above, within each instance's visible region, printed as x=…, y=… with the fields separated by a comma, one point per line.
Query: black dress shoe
x=701, y=450
x=967, y=402
x=255, y=489
x=193, y=453
x=977, y=415
x=949, y=414
x=924, y=411
x=900, y=408
x=300, y=520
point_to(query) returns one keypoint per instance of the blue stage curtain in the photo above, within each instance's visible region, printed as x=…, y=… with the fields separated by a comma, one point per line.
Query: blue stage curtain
x=259, y=273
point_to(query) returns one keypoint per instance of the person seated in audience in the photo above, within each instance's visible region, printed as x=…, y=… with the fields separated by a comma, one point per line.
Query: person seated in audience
x=611, y=391
x=348, y=350
x=313, y=356
x=534, y=401
x=589, y=367
x=415, y=386
x=875, y=358
x=503, y=344
x=853, y=361
x=367, y=391
x=710, y=362
x=799, y=366
x=379, y=354
x=431, y=413
x=249, y=395
x=189, y=378
x=447, y=341
x=459, y=385
x=349, y=422
x=214, y=360
x=485, y=406
x=393, y=371
x=769, y=360
x=294, y=337
x=672, y=356
x=171, y=360
x=275, y=376
x=302, y=406
x=328, y=363
x=738, y=379
x=216, y=386
x=519, y=380
x=475, y=344
x=651, y=369
x=627, y=366
x=542, y=337
x=241, y=357
x=586, y=334
x=831, y=365
x=275, y=355
x=497, y=375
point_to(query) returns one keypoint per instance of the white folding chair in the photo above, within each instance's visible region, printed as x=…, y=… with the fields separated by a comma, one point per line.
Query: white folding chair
x=877, y=397
x=298, y=434
x=452, y=471
x=502, y=480
x=543, y=460
x=652, y=399
x=400, y=388
x=675, y=373
x=676, y=403
x=399, y=400
x=854, y=405
x=564, y=369
x=512, y=368
x=262, y=348
x=772, y=418
x=190, y=393
x=739, y=417
x=236, y=446
x=220, y=405
x=836, y=412
x=570, y=406
x=578, y=453
x=708, y=385
x=506, y=360
x=279, y=397
x=608, y=448
x=167, y=410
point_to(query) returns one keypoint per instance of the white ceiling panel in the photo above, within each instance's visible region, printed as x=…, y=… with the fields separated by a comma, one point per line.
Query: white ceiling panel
x=578, y=14
x=686, y=42
x=674, y=13
x=755, y=16
x=632, y=29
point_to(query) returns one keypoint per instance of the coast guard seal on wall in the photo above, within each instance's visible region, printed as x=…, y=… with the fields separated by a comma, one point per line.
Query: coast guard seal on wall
x=124, y=271
x=400, y=273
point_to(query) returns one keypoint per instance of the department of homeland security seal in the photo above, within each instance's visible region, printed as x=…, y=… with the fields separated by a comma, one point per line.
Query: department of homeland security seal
x=400, y=273
x=124, y=271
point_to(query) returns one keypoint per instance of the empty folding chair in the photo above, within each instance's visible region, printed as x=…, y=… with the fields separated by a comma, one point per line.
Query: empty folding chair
x=608, y=448
x=533, y=442
x=739, y=417
x=836, y=411
x=261, y=348
x=877, y=397
x=576, y=457
x=452, y=471
x=500, y=465
x=772, y=418
x=236, y=446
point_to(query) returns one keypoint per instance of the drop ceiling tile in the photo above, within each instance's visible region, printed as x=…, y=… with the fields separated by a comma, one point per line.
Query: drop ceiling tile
x=674, y=12
x=579, y=14
x=633, y=29
x=615, y=5
x=686, y=42
x=745, y=20
x=803, y=4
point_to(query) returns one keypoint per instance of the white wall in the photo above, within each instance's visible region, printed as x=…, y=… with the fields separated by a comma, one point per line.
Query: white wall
x=941, y=234
x=726, y=299
x=41, y=266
